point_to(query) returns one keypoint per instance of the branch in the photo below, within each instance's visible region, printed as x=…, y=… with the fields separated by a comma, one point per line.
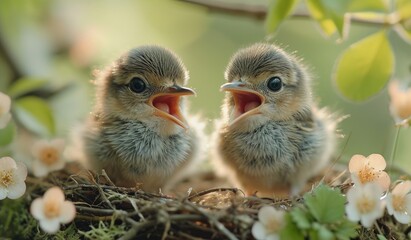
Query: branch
x=259, y=12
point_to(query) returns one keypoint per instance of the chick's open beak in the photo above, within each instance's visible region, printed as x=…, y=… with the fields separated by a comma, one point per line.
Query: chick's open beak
x=167, y=104
x=247, y=101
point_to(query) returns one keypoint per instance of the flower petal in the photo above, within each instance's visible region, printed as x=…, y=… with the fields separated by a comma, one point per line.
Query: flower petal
x=266, y=213
x=258, y=230
x=57, y=166
x=20, y=172
x=390, y=208
x=367, y=220
x=5, y=102
x=402, y=217
x=37, y=146
x=352, y=212
x=50, y=225
x=383, y=180
x=402, y=188
x=16, y=190
x=7, y=163
x=272, y=237
x=55, y=194
x=3, y=193
x=36, y=209
x=377, y=161
x=59, y=144
x=67, y=212
x=356, y=163
x=39, y=169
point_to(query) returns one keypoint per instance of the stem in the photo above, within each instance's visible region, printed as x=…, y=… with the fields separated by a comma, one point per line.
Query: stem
x=394, y=148
x=259, y=12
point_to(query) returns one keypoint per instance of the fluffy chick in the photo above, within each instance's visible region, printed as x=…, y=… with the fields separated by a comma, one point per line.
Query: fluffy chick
x=271, y=137
x=138, y=131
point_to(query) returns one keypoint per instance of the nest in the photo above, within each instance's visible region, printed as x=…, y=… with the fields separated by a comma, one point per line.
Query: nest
x=130, y=213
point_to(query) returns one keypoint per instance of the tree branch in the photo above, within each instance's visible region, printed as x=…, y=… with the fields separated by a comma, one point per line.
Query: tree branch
x=259, y=12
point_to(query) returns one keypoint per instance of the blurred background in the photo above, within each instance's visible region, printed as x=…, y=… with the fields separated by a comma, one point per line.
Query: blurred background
x=64, y=41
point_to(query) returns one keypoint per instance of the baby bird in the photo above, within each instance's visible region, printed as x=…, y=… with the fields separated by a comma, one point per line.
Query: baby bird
x=271, y=137
x=138, y=132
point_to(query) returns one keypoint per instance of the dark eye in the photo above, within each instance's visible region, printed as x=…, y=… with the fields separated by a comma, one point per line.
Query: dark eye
x=275, y=84
x=137, y=85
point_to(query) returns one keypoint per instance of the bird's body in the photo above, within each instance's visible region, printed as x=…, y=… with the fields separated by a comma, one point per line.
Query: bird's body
x=271, y=138
x=138, y=132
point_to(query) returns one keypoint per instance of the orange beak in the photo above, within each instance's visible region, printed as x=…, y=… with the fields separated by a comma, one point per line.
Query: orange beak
x=167, y=104
x=247, y=102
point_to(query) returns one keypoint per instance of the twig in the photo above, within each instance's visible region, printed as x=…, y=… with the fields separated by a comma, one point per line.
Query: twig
x=259, y=12
x=214, y=221
x=205, y=192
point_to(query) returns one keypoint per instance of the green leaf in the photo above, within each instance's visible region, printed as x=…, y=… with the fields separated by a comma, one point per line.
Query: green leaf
x=25, y=85
x=318, y=12
x=7, y=134
x=325, y=204
x=381, y=237
x=300, y=217
x=367, y=6
x=291, y=230
x=35, y=114
x=404, y=9
x=279, y=10
x=346, y=230
x=365, y=67
x=323, y=232
x=330, y=15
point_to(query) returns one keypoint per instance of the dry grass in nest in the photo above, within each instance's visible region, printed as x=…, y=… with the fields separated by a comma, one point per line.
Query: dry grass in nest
x=216, y=213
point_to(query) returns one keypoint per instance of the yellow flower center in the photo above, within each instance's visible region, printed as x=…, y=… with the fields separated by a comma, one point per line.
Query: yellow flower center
x=1, y=110
x=365, y=205
x=273, y=226
x=367, y=174
x=51, y=209
x=398, y=203
x=6, y=178
x=49, y=155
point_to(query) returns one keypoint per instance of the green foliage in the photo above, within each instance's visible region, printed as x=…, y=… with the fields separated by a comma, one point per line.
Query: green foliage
x=365, y=67
x=318, y=12
x=15, y=220
x=35, y=114
x=105, y=231
x=279, y=10
x=324, y=199
x=320, y=217
x=24, y=86
x=7, y=134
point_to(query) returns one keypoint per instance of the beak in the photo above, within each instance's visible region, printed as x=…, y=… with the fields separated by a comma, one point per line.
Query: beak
x=167, y=104
x=247, y=102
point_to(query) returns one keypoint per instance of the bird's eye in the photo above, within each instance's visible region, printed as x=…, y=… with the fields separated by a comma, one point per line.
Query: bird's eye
x=275, y=84
x=137, y=85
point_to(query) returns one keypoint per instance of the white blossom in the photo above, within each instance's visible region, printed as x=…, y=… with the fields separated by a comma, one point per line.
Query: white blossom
x=48, y=156
x=364, y=203
x=12, y=177
x=399, y=202
x=370, y=169
x=270, y=222
x=52, y=209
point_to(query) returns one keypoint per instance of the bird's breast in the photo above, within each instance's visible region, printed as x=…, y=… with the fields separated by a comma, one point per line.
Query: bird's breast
x=142, y=150
x=275, y=147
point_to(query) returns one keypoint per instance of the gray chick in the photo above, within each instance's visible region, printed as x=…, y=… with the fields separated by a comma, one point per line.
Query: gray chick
x=271, y=137
x=139, y=131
